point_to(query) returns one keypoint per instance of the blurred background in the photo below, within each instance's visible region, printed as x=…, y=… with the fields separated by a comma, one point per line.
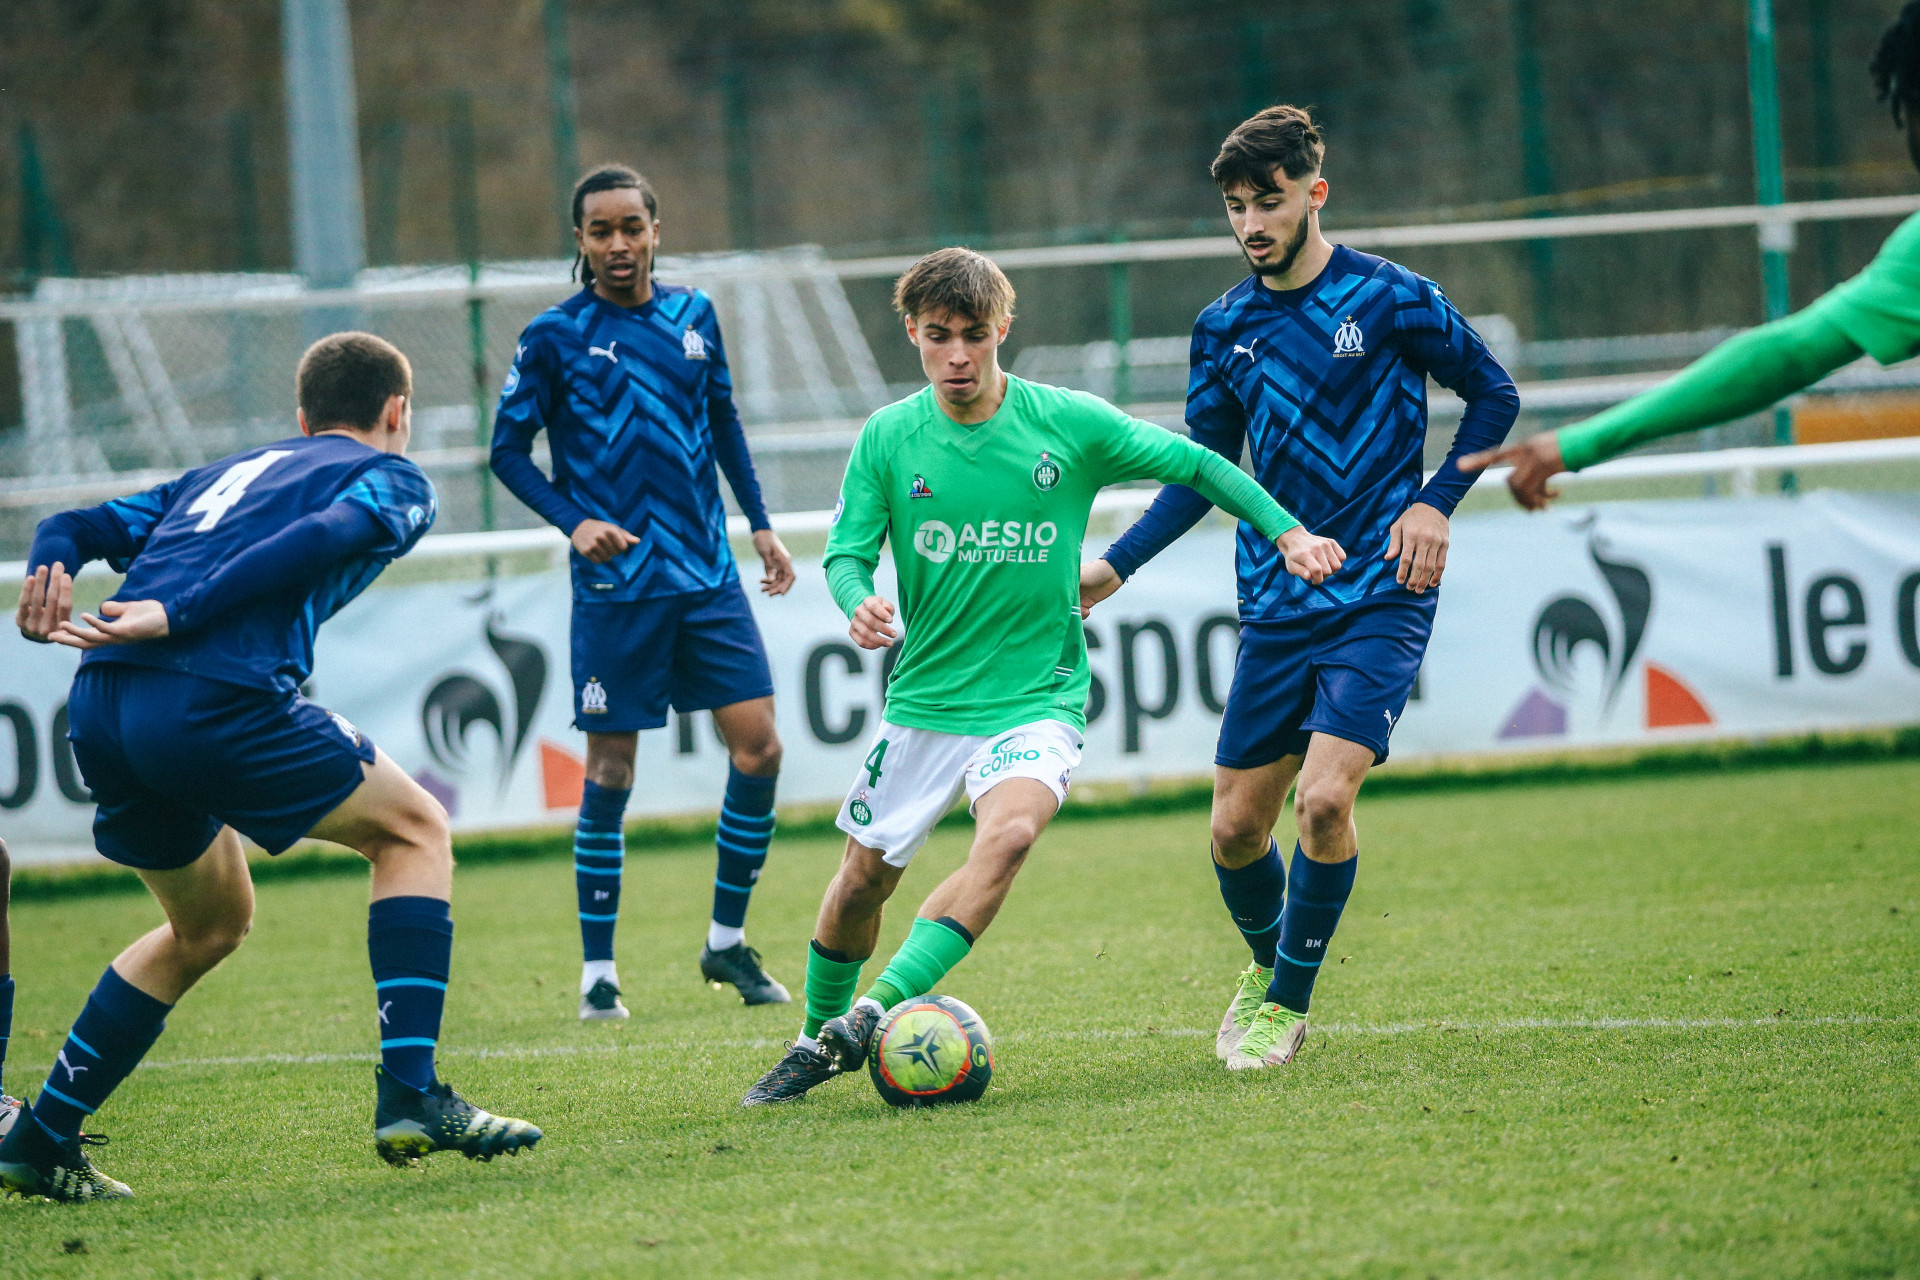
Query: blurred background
x=191, y=190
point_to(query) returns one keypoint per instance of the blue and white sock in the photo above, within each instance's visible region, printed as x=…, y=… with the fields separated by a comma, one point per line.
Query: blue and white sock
x=1255, y=895
x=410, y=942
x=6, y=1025
x=1316, y=895
x=111, y=1035
x=599, y=853
x=746, y=829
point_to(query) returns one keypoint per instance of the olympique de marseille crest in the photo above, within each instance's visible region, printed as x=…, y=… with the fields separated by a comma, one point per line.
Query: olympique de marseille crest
x=1347, y=339
x=693, y=345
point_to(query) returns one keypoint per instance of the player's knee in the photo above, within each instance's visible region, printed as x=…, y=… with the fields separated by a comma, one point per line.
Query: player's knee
x=1323, y=808
x=207, y=943
x=1239, y=838
x=760, y=757
x=860, y=884
x=611, y=773
x=1009, y=838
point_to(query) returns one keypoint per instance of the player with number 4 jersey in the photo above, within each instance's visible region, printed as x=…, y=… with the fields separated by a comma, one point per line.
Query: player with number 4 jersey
x=983, y=482
x=190, y=730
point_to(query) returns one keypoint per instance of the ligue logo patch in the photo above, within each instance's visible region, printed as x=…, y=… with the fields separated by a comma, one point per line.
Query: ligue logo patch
x=692, y=345
x=1046, y=472
x=1347, y=339
x=919, y=489
x=934, y=540
x=513, y=381
x=593, y=697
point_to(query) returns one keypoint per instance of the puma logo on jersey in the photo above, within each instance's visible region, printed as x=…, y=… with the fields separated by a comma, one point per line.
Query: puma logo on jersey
x=1247, y=350
x=606, y=351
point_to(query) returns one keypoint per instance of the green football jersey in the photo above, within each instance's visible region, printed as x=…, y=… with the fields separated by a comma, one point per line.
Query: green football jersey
x=986, y=523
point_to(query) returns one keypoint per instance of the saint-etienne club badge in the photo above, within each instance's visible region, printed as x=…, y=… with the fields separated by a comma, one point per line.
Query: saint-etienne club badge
x=1046, y=472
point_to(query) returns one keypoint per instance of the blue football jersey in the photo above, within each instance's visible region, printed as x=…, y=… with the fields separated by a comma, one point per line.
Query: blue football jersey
x=1325, y=386
x=182, y=532
x=637, y=404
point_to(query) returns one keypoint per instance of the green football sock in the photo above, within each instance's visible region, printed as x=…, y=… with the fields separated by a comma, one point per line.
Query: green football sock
x=930, y=951
x=830, y=984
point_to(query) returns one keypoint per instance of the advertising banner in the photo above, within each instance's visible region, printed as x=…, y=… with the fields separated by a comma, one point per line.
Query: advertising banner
x=1619, y=623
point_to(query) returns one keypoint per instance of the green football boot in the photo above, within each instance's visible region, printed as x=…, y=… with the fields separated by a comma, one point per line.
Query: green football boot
x=1271, y=1039
x=409, y=1124
x=34, y=1163
x=1247, y=998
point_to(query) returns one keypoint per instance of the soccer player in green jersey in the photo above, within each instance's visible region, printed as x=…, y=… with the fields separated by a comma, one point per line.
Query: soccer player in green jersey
x=983, y=482
x=1876, y=313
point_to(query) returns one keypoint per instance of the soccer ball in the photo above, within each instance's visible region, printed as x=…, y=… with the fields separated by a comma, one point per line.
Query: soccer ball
x=930, y=1049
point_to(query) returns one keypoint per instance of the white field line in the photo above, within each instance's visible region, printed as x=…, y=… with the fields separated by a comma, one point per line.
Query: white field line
x=1503, y=1026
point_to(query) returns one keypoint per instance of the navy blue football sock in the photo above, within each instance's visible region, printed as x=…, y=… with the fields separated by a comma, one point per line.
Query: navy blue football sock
x=599, y=852
x=1316, y=894
x=746, y=829
x=410, y=941
x=1255, y=895
x=6, y=1025
x=111, y=1035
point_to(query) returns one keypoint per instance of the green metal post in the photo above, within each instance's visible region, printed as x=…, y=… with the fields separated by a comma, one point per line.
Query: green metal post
x=1536, y=159
x=736, y=106
x=566, y=147
x=44, y=249
x=1120, y=324
x=245, y=190
x=935, y=115
x=466, y=234
x=1769, y=176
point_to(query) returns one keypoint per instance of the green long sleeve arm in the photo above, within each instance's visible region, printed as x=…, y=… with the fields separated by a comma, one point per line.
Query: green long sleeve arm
x=850, y=579
x=1239, y=494
x=1742, y=375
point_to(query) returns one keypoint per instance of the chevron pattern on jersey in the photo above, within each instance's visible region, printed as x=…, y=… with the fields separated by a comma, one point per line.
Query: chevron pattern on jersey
x=1327, y=387
x=624, y=397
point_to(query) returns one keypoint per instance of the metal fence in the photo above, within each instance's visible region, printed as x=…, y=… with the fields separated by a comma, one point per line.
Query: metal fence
x=126, y=382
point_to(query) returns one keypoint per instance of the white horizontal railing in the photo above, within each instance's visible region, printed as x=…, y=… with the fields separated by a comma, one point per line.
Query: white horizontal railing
x=1741, y=466
x=439, y=287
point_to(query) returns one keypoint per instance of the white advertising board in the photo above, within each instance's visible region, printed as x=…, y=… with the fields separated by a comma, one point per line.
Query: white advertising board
x=1612, y=624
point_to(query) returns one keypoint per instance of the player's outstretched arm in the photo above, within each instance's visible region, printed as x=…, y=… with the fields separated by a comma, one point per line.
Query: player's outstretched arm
x=1742, y=375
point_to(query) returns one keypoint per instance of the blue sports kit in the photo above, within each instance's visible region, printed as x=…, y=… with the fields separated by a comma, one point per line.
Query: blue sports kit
x=1326, y=385
x=206, y=726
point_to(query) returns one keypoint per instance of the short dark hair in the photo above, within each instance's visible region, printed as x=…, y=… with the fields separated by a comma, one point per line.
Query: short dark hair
x=1896, y=64
x=607, y=177
x=1281, y=137
x=959, y=282
x=346, y=379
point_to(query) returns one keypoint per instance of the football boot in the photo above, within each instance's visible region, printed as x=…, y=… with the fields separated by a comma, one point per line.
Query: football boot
x=739, y=965
x=601, y=1003
x=409, y=1123
x=34, y=1163
x=845, y=1038
x=1247, y=998
x=791, y=1077
x=1271, y=1039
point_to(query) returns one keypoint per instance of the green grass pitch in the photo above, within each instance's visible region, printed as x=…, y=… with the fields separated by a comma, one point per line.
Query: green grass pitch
x=1655, y=1026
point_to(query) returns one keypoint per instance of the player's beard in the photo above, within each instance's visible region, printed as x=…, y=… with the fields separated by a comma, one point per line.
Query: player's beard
x=1295, y=244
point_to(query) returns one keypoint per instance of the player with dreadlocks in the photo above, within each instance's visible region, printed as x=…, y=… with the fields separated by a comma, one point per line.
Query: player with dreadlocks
x=1876, y=313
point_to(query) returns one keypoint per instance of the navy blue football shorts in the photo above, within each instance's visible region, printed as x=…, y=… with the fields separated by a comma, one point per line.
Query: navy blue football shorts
x=1345, y=671
x=171, y=758
x=632, y=659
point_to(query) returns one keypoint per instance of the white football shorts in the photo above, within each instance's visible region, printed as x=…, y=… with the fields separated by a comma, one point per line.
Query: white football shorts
x=912, y=777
